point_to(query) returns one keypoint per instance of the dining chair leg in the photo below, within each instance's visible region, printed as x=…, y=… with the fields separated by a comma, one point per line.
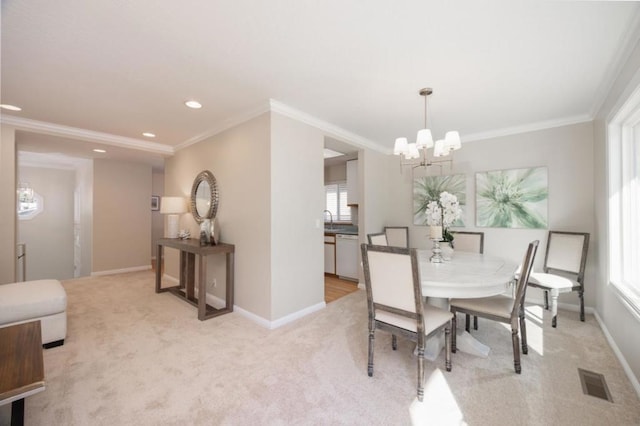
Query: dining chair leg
x=581, y=295
x=370, y=364
x=554, y=307
x=420, y=371
x=447, y=344
x=523, y=331
x=516, y=349
x=394, y=342
x=475, y=323
x=546, y=300
x=453, y=333
x=467, y=322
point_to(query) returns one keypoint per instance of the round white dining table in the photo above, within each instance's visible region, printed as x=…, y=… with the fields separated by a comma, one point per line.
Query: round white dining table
x=466, y=275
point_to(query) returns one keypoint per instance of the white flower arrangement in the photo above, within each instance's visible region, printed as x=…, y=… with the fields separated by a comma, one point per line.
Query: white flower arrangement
x=443, y=212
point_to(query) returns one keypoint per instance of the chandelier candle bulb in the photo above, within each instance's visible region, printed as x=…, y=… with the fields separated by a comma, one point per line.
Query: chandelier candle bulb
x=435, y=232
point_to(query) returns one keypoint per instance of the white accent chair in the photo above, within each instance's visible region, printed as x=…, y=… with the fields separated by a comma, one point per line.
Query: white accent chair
x=379, y=239
x=397, y=236
x=502, y=308
x=43, y=300
x=471, y=242
x=396, y=305
x=564, y=265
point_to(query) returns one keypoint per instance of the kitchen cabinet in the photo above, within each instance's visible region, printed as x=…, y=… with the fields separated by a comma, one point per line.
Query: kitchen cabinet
x=352, y=183
x=330, y=254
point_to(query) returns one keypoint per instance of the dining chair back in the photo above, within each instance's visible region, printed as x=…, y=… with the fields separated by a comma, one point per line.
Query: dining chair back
x=468, y=241
x=509, y=310
x=397, y=236
x=379, y=239
x=564, y=264
x=395, y=303
x=472, y=242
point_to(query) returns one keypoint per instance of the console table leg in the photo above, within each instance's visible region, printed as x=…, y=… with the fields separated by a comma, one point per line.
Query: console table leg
x=17, y=412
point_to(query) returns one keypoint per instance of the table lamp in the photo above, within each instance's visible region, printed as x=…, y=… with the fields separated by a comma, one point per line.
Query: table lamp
x=173, y=207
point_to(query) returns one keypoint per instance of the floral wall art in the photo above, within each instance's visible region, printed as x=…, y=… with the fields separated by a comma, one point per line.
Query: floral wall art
x=514, y=198
x=429, y=188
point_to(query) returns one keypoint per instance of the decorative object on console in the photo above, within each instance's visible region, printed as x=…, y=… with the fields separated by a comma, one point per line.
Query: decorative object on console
x=173, y=207
x=204, y=207
x=424, y=141
x=440, y=215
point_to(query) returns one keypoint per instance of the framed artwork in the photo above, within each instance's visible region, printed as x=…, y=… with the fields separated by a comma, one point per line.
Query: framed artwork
x=514, y=198
x=428, y=188
x=155, y=202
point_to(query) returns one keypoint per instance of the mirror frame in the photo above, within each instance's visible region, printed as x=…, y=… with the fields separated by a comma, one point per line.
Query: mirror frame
x=214, y=196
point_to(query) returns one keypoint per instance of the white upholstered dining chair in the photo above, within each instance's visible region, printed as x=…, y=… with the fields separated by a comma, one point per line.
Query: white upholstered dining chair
x=563, y=271
x=509, y=310
x=395, y=303
x=378, y=239
x=471, y=242
x=397, y=236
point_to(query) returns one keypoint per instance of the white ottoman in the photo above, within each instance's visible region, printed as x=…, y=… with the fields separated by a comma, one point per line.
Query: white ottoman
x=43, y=300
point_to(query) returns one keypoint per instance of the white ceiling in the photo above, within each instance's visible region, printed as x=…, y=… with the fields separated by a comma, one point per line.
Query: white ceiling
x=108, y=71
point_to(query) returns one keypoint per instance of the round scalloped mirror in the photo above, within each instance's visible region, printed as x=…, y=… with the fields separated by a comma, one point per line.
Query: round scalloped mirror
x=204, y=197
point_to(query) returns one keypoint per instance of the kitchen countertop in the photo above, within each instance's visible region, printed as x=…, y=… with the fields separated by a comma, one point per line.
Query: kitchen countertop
x=349, y=230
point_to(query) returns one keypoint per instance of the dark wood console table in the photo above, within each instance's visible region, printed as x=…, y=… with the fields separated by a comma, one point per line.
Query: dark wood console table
x=186, y=287
x=21, y=366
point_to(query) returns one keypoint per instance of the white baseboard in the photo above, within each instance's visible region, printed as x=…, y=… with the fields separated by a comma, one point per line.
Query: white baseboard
x=121, y=271
x=625, y=366
x=281, y=321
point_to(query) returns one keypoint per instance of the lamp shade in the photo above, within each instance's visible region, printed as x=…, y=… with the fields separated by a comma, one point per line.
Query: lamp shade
x=439, y=149
x=424, y=139
x=401, y=146
x=452, y=141
x=173, y=205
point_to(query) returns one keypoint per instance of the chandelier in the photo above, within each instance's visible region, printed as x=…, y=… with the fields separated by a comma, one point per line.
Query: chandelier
x=414, y=154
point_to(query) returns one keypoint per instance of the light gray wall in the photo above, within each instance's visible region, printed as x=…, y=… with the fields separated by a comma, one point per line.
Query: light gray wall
x=297, y=204
x=239, y=159
x=157, y=219
x=49, y=235
x=121, y=216
x=622, y=325
x=84, y=212
x=8, y=205
x=566, y=151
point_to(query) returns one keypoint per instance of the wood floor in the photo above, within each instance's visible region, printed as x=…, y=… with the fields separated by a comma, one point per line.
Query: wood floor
x=335, y=288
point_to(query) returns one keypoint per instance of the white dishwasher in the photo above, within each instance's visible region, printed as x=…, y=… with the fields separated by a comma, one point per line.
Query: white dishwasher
x=347, y=256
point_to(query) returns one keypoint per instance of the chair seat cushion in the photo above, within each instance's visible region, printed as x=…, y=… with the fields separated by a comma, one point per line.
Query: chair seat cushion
x=551, y=281
x=434, y=318
x=500, y=306
x=31, y=299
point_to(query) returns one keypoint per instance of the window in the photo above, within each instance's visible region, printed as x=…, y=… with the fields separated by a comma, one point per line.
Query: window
x=336, y=202
x=623, y=146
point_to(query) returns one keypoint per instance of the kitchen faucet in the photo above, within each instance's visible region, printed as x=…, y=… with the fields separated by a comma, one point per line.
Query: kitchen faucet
x=331, y=217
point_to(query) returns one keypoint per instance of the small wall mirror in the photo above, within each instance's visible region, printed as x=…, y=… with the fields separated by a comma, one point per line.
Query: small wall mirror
x=204, y=197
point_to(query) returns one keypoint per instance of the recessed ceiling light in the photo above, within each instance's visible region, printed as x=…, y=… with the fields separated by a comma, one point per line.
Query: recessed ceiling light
x=101, y=151
x=10, y=107
x=193, y=104
x=149, y=134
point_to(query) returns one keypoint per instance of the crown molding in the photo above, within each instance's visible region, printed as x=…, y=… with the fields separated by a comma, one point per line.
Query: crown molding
x=283, y=109
x=622, y=55
x=227, y=124
x=85, y=135
x=532, y=127
x=331, y=129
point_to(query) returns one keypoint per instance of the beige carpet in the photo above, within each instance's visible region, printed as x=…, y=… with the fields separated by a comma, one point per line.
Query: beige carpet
x=133, y=357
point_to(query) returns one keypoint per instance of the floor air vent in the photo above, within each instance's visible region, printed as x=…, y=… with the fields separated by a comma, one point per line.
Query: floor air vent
x=594, y=384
